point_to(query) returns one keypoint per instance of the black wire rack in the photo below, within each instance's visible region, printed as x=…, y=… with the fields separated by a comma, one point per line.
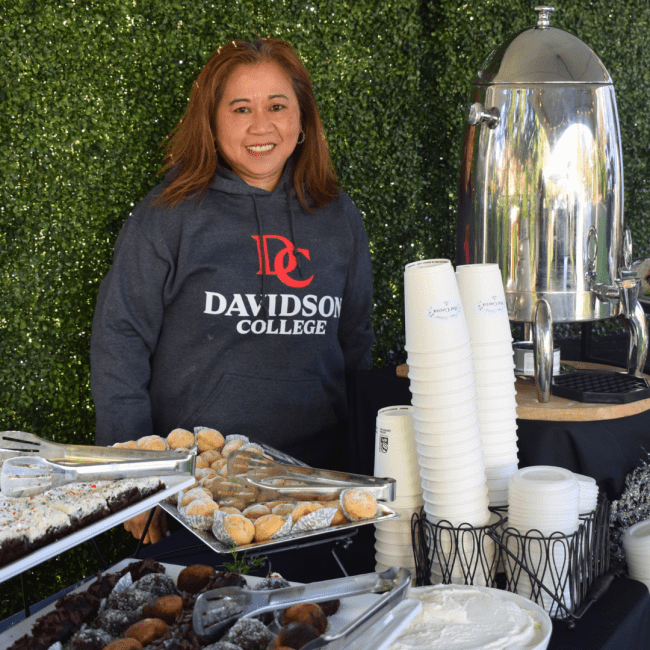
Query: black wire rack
x=556, y=571
x=462, y=554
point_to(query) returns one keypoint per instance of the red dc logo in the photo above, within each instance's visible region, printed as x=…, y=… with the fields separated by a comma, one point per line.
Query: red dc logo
x=283, y=262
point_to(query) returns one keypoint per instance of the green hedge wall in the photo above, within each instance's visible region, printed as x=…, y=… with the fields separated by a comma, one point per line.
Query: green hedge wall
x=89, y=89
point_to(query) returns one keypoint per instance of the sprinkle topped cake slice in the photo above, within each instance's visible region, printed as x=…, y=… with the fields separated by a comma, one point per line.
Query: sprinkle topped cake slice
x=125, y=492
x=82, y=502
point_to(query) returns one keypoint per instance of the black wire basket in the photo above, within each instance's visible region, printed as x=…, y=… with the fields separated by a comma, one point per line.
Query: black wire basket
x=556, y=571
x=446, y=554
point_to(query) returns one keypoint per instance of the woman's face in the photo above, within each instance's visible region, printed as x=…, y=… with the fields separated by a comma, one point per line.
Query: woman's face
x=258, y=123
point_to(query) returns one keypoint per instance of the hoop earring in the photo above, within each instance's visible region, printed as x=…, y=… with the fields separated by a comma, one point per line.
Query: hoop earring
x=302, y=133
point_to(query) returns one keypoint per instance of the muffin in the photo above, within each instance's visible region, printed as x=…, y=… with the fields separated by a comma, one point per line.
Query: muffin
x=154, y=443
x=201, y=507
x=207, y=439
x=230, y=446
x=358, y=504
x=180, y=438
x=303, y=509
x=210, y=456
x=191, y=495
x=233, y=529
x=255, y=511
x=267, y=526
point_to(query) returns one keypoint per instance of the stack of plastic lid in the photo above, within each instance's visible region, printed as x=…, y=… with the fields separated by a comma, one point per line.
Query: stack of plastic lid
x=484, y=305
x=445, y=415
x=396, y=457
x=636, y=542
x=543, y=501
x=588, y=493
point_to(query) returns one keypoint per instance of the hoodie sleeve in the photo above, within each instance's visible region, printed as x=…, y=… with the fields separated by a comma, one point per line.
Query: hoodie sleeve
x=356, y=334
x=126, y=326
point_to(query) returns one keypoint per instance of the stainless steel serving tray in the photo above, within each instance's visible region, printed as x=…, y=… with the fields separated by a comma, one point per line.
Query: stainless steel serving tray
x=206, y=536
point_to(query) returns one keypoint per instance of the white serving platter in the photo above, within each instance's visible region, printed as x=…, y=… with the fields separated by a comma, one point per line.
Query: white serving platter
x=206, y=536
x=351, y=608
x=174, y=483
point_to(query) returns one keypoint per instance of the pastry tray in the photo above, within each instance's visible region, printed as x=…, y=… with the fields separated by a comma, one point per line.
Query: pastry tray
x=206, y=536
x=173, y=484
x=351, y=608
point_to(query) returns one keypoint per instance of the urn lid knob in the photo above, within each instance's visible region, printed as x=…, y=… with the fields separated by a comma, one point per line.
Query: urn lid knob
x=543, y=19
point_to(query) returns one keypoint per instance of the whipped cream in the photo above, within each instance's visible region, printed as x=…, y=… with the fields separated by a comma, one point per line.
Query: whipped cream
x=468, y=618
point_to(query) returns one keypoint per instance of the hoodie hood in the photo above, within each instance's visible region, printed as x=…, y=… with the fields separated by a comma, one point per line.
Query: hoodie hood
x=225, y=180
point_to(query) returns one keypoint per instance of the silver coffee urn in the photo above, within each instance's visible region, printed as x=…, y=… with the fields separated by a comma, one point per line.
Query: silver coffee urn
x=541, y=190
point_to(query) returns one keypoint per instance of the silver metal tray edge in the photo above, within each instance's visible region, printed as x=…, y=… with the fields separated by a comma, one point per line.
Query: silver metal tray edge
x=174, y=483
x=210, y=540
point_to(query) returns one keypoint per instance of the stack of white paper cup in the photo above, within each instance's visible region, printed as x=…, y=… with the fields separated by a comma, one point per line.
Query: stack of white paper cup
x=483, y=298
x=445, y=416
x=396, y=457
x=545, y=499
x=636, y=542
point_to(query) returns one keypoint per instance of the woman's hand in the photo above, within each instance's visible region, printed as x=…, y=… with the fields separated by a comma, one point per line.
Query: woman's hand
x=157, y=528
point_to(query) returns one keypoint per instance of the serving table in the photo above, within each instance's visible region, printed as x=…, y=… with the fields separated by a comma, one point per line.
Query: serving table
x=606, y=449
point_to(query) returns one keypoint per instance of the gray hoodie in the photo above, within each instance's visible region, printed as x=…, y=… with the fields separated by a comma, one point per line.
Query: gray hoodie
x=208, y=318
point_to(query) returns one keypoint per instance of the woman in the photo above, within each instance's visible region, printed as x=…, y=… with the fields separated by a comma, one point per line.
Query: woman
x=241, y=288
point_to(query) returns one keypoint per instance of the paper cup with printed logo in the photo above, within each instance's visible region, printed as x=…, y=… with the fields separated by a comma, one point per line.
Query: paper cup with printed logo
x=433, y=313
x=484, y=303
x=395, y=449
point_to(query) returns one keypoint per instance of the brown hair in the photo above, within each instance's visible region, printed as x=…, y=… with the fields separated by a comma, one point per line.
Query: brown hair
x=190, y=147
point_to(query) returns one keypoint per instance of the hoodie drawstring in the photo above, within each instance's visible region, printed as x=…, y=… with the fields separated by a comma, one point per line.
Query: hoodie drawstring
x=293, y=234
x=261, y=303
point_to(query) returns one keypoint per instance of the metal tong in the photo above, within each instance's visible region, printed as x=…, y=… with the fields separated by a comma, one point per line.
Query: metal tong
x=253, y=477
x=27, y=476
x=209, y=623
x=20, y=443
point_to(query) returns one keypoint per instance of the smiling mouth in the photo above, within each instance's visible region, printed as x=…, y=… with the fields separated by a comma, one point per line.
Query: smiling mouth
x=260, y=149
